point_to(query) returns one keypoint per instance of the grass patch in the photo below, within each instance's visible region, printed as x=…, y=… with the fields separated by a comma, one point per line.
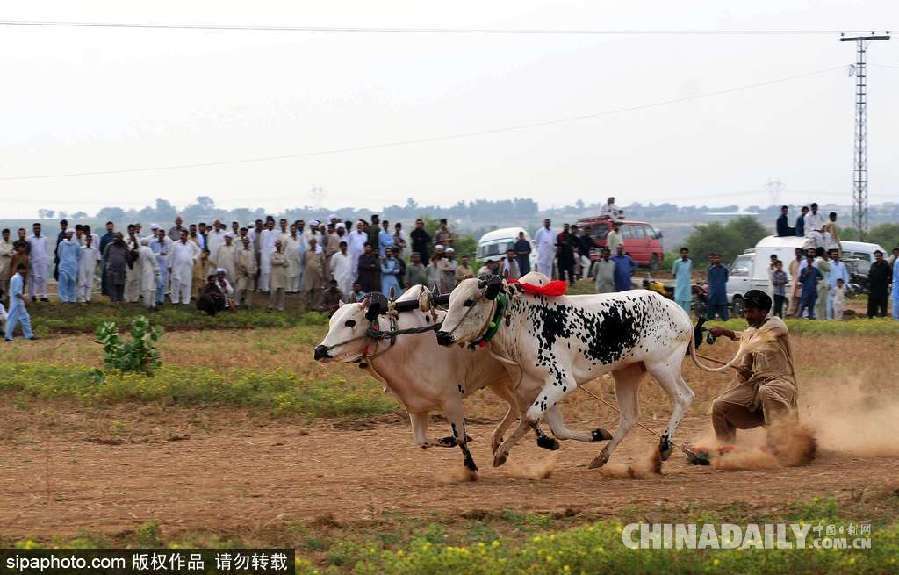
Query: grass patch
x=542, y=543
x=279, y=391
x=50, y=318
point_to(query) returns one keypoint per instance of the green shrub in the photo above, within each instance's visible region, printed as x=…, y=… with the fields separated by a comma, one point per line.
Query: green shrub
x=138, y=355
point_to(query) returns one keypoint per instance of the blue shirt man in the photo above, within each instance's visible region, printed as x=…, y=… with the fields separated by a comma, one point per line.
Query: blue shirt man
x=17, y=312
x=717, y=277
x=385, y=240
x=682, y=270
x=624, y=268
x=67, y=254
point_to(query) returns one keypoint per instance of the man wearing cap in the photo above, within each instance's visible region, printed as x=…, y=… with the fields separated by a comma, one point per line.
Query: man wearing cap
x=765, y=390
x=226, y=258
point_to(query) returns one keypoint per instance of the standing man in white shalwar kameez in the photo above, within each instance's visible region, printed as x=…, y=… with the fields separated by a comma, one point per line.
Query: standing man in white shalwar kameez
x=342, y=272
x=266, y=247
x=294, y=263
x=215, y=239
x=184, y=253
x=356, y=245
x=545, y=240
x=225, y=258
x=87, y=268
x=149, y=273
x=40, y=264
x=162, y=247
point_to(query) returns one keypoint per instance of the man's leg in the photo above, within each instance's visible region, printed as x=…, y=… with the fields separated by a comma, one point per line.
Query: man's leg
x=896, y=306
x=728, y=417
x=25, y=320
x=11, y=320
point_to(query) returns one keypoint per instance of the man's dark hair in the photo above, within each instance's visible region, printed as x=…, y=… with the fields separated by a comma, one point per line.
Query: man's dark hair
x=21, y=266
x=757, y=299
x=109, y=223
x=685, y=249
x=6, y=231
x=878, y=252
x=819, y=251
x=64, y=222
x=785, y=207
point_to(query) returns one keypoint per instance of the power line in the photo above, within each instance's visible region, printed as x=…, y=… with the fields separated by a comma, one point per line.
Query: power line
x=432, y=139
x=426, y=30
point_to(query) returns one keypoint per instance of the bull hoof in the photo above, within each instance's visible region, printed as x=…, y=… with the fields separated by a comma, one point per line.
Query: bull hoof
x=471, y=475
x=499, y=460
x=599, y=460
x=665, y=448
x=601, y=434
x=546, y=442
x=448, y=441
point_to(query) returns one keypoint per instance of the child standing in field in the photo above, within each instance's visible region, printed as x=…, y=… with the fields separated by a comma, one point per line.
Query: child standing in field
x=779, y=286
x=839, y=299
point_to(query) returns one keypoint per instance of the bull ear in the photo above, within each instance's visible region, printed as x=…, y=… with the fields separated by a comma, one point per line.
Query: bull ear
x=482, y=284
x=494, y=285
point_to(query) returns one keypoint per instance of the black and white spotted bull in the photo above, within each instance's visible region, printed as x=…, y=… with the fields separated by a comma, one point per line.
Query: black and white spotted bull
x=562, y=342
x=426, y=377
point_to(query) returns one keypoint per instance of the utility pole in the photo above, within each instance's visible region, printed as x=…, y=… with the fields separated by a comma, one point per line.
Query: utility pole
x=860, y=155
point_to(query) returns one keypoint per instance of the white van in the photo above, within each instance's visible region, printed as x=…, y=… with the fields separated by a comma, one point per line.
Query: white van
x=493, y=245
x=863, y=252
x=750, y=269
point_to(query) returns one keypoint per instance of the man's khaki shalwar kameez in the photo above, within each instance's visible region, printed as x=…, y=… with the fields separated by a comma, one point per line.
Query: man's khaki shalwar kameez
x=766, y=382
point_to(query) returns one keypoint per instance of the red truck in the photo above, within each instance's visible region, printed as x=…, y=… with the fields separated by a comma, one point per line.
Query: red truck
x=640, y=240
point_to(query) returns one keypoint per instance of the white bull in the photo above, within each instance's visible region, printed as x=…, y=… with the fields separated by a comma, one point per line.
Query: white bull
x=562, y=342
x=426, y=377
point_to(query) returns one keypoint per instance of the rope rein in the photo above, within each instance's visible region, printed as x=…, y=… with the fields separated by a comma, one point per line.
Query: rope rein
x=642, y=426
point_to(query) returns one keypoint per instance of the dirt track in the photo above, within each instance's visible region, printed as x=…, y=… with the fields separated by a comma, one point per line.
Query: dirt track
x=229, y=473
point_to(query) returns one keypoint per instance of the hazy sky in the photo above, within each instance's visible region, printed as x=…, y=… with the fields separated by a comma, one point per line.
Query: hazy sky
x=93, y=99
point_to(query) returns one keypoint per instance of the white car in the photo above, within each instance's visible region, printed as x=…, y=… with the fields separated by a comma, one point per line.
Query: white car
x=493, y=245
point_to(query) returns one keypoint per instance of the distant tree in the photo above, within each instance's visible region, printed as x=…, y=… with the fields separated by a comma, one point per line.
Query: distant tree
x=63, y=215
x=165, y=211
x=79, y=216
x=45, y=214
x=729, y=239
x=111, y=214
x=886, y=235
